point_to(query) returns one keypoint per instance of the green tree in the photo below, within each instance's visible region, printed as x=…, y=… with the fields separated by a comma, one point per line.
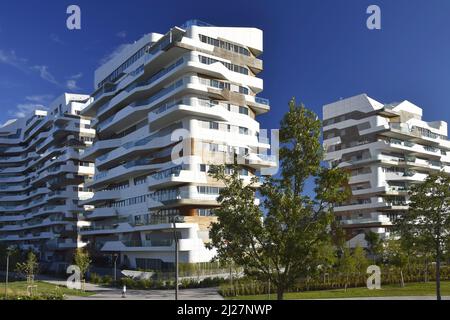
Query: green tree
x=396, y=255
x=352, y=263
x=282, y=239
x=361, y=262
x=374, y=245
x=347, y=265
x=327, y=259
x=29, y=268
x=427, y=223
x=83, y=261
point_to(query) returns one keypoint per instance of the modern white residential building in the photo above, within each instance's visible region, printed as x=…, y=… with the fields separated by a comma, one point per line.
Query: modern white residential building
x=196, y=81
x=42, y=179
x=386, y=148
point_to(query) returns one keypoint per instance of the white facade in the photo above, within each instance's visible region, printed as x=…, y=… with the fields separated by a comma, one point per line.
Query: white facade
x=195, y=81
x=386, y=148
x=42, y=178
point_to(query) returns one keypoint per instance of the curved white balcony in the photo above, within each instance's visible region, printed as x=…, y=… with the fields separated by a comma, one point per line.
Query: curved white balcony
x=134, y=148
x=14, y=159
x=8, y=218
x=408, y=176
x=154, y=59
x=149, y=245
x=99, y=148
x=140, y=90
x=135, y=167
x=163, y=179
x=101, y=213
x=101, y=196
x=35, y=192
x=172, y=112
x=106, y=229
x=32, y=225
x=380, y=220
x=35, y=236
x=181, y=196
x=259, y=161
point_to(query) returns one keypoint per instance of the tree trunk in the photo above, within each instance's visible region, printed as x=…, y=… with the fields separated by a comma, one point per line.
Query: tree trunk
x=280, y=292
x=438, y=274
x=402, y=280
x=426, y=270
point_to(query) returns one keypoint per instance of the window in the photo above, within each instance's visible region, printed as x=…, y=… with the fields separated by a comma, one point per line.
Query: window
x=244, y=172
x=119, y=71
x=214, y=125
x=243, y=110
x=205, y=212
x=229, y=66
x=243, y=130
x=140, y=180
x=224, y=45
x=203, y=167
x=243, y=90
x=213, y=147
x=208, y=190
x=242, y=151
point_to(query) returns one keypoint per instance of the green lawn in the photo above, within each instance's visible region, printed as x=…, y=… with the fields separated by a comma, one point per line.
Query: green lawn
x=20, y=288
x=410, y=289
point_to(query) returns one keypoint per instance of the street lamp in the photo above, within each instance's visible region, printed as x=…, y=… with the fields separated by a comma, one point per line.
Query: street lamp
x=9, y=251
x=175, y=237
x=115, y=256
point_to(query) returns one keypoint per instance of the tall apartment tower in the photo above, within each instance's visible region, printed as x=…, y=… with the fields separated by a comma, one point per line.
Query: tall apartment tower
x=198, y=82
x=386, y=148
x=42, y=179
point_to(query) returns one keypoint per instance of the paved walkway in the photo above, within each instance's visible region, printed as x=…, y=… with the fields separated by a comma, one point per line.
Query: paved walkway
x=394, y=298
x=184, y=294
x=107, y=293
x=87, y=287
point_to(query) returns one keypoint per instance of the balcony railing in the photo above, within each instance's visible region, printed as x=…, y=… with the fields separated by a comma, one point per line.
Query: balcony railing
x=149, y=243
x=155, y=219
x=174, y=171
x=262, y=101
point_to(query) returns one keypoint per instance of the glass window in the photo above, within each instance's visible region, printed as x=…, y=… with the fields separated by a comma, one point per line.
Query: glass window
x=243, y=130
x=243, y=110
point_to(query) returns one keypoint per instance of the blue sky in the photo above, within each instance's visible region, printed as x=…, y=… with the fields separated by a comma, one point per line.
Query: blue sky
x=315, y=50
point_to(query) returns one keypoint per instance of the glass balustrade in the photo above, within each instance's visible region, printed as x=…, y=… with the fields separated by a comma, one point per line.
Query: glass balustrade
x=148, y=243
x=262, y=101
x=174, y=171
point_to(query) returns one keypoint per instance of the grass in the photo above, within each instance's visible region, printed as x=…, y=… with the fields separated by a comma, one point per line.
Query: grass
x=410, y=289
x=19, y=288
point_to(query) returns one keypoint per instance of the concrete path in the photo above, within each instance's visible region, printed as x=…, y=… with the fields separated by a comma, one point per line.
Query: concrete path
x=108, y=293
x=184, y=294
x=394, y=298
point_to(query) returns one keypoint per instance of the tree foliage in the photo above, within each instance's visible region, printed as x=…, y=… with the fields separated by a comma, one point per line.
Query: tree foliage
x=29, y=268
x=374, y=244
x=426, y=226
x=352, y=262
x=285, y=238
x=83, y=261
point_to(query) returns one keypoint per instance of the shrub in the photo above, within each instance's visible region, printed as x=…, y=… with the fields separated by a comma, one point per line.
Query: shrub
x=107, y=280
x=95, y=278
x=128, y=282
